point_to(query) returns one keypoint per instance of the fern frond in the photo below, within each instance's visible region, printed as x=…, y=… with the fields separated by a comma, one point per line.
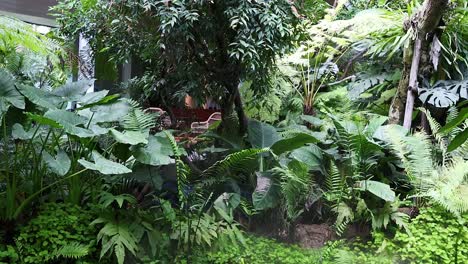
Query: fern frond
x=335, y=183
x=344, y=216
x=415, y=153
x=435, y=127
x=450, y=189
x=137, y=119
x=73, y=250
x=295, y=185
x=235, y=161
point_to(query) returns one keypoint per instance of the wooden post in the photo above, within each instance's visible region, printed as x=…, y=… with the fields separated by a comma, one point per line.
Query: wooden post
x=413, y=84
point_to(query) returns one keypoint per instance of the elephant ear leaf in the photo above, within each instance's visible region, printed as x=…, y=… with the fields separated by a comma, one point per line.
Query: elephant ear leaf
x=70, y=122
x=8, y=93
x=60, y=164
x=40, y=97
x=157, y=152
x=378, y=189
x=18, y=132
x=267, y=193
x=104, y=165
x=129, y=137
x=262, y=135
x=72, y=91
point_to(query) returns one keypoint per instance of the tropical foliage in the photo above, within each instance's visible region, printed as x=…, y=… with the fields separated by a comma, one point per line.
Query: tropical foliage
x=309, y=149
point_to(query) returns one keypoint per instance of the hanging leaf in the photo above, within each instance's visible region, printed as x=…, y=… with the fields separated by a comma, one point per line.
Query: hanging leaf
x=379, y=189
x=104, y=165
x=60, y=165
x=262, y=135
x=157, y=152
x=267, y=193
x=129, y=137
x=8, y=92
x=435, y=52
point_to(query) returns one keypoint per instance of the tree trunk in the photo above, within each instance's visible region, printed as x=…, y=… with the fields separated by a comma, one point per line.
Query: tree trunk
x=423, y=23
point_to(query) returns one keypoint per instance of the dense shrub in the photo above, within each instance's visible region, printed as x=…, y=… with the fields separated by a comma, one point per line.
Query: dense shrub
x=60, y=230
x=259, y=251
x=436, y=236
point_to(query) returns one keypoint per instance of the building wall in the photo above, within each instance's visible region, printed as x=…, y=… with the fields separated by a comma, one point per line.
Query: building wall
x=34, y=11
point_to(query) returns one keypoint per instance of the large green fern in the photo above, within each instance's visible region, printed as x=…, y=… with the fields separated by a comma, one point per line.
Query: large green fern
x=445, y=184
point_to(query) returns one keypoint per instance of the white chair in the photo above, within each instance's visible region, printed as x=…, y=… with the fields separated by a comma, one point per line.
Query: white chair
x=162, y=116
x=202, y=127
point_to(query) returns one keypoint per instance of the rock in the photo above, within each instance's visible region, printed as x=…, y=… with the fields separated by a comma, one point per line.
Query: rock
x=313, y=236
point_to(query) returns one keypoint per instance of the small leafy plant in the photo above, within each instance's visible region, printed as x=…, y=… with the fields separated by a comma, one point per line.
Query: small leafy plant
x=60, y=231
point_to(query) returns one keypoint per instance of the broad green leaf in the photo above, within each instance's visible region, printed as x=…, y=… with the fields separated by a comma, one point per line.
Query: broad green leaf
x=91, y=98
x=458, y=140
x=40, y=97
x=379, y=189
x=461, y=117
x=8, y=92
x=292, y=143
x=262, y=135
x=157, y=152
x=110, y=99
x=129, y=137
x=60, y=164
x=104, y=165
x=70, y=122
x=43, y=120
x=310, y=155
x=18, y=132
x=267, y=193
